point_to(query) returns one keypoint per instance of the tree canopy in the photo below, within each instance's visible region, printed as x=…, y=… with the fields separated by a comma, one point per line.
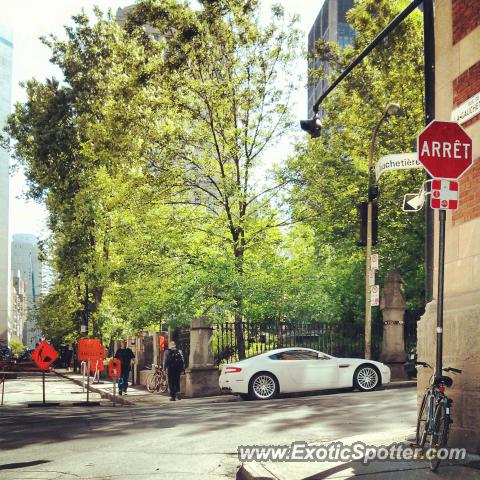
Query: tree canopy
x=148, y=155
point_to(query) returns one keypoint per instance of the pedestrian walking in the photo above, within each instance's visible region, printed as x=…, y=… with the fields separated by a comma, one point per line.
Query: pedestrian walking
x=174, y=364
x=125, y=355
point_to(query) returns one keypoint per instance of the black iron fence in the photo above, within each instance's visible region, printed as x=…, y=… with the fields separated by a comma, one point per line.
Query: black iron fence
x=340, y=340
x=345, y=340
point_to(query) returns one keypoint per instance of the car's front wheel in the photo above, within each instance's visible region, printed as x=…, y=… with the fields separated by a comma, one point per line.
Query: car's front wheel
x=263, y=386
x=366, y=378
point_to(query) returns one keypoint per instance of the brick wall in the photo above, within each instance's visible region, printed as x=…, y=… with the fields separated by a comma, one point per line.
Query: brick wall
x=466, y=17
x=465, y=86
x=469, y=196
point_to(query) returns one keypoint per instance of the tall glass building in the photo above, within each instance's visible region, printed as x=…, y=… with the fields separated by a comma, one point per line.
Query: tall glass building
x=330, y=25
x=6, y=51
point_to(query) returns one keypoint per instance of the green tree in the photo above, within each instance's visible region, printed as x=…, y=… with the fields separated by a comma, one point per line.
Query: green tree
x=330, y=173
x=145, y=157
x=229, y=85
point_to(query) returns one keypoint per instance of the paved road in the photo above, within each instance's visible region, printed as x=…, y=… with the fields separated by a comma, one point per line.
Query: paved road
x=182, y=440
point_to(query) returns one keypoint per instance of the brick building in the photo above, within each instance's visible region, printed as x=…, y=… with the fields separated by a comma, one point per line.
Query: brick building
x=457, y=29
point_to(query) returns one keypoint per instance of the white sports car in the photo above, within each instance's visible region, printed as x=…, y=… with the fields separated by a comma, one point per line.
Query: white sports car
x=287, y=370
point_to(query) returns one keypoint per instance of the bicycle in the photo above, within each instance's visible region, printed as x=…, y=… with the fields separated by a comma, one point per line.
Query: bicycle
x=157, y=381
x=434, y=416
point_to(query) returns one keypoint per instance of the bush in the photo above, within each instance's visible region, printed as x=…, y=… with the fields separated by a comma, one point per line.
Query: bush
x=16, y=347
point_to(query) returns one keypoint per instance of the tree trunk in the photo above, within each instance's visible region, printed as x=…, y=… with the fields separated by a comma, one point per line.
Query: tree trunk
x=238, y=304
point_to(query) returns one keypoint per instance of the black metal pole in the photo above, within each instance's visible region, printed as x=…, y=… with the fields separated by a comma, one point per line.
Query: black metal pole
x=88, y=381
x=379, y=38
x=441, y=278
x=429, y=69
x=43, y=385
x=86, y=310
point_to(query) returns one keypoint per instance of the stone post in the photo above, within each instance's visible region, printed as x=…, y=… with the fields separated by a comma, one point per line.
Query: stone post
x=202, y=374
x=393, y=306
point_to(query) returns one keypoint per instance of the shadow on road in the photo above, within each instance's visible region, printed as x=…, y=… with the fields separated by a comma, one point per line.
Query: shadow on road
x=13, y=466
x=346, y=414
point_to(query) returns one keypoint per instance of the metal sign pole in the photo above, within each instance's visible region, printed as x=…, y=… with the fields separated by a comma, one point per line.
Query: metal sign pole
x=441, y=281
x=368, y=305
x=3, y=388
x=88, y=381
x=43, y=385
x=114, y=390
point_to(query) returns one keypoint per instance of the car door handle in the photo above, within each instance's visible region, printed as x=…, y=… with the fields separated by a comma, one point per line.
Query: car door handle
x=343, y=366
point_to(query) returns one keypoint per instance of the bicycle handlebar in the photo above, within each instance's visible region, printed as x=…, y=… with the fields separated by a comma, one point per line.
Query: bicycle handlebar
x=451, y=369
x=422, y=364
x=446, y=369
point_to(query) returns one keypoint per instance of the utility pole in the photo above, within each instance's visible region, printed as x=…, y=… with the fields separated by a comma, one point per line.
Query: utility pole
x=391, y=109
x=429, y=70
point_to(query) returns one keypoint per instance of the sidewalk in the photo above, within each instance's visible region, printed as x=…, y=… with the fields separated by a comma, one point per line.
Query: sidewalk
x=27, y=388
x=468, y=469
x=138, y=394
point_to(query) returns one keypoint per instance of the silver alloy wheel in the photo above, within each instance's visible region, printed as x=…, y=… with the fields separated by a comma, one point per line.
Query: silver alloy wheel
x=264, y=386
x=367, y=378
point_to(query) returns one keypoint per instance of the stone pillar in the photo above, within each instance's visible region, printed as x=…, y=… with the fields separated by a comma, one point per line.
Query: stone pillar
x=156, y=348
x=393, y=306
x=202, y=374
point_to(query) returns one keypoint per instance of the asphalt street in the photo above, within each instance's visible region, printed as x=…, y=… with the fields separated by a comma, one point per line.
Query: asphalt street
x=182, y=440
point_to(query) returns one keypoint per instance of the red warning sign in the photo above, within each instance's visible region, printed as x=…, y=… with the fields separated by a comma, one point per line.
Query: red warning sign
x=114, y=368
x=44, y=355
x=91, y=349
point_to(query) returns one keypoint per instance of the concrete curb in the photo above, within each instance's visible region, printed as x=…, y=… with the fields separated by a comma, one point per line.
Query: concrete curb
x=254, y=472
x=107, y=395
x=400, y=384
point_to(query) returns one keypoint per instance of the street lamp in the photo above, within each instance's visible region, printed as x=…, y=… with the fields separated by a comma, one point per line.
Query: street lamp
x=390, y=110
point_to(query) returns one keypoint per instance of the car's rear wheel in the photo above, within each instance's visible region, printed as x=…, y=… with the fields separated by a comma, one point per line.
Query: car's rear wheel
x=263, y=386
x=366, y=378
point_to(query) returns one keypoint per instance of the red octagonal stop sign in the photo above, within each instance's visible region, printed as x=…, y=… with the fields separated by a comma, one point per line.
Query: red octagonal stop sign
x=445, y=150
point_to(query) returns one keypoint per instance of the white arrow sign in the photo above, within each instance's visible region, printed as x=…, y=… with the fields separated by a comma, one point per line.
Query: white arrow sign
x=413, y=202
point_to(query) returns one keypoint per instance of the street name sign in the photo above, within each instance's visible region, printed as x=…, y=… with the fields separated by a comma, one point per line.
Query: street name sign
x=445, y=150
x=396, y=161
x=467, y=110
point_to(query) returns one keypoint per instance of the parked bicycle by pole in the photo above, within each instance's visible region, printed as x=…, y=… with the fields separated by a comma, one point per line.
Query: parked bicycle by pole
x=157, y=381
x=434, y=417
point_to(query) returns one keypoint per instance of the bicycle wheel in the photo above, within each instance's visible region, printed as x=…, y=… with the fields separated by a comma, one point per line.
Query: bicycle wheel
x=163, y=384
x=439, y=435
x=422, y=419
x=152, y=382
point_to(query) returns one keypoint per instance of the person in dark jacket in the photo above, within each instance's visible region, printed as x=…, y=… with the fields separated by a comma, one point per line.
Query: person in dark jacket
x=174, y=363
x=125, y=355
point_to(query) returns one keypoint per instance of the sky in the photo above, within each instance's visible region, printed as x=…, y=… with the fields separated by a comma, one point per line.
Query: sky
x=31, y=19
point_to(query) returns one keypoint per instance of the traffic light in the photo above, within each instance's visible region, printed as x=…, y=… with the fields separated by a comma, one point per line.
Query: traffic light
x=372, y=193
x=313, y=127
x=362, y=209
